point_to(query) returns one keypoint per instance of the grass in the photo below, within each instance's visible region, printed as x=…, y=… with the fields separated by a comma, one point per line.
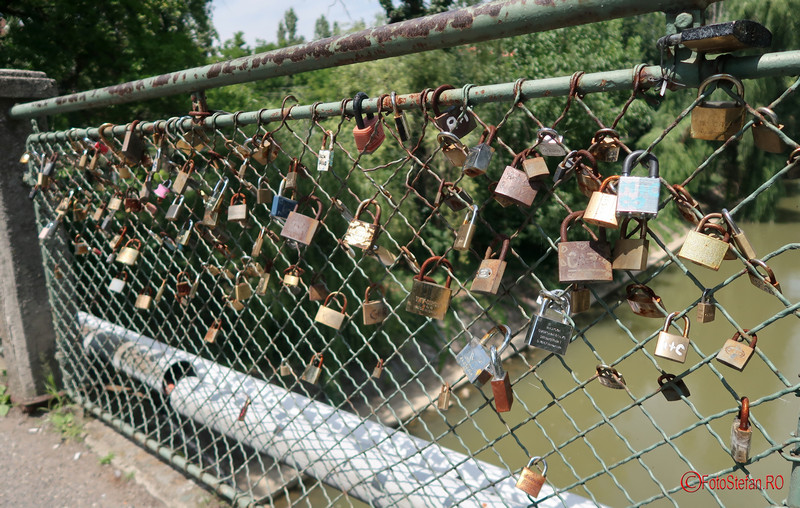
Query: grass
x=5, y=401
x=106, y=460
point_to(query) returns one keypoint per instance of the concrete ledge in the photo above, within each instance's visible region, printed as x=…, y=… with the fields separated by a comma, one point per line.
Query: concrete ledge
x=19, y=84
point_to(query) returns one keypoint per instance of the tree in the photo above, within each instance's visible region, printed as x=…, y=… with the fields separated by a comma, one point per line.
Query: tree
x=410, y=9
x=322, y=28
x=287, y=30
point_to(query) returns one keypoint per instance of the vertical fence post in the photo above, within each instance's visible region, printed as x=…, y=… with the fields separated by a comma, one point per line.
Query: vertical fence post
x=26, y=327
x=793, y=499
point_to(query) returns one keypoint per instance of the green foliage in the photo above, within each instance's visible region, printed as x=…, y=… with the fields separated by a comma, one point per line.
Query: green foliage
x=64, y=421
x=106, y=459
x=409, y=9
x=5, y=401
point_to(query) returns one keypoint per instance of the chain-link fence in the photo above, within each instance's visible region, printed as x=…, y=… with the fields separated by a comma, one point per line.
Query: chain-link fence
x=216, y=300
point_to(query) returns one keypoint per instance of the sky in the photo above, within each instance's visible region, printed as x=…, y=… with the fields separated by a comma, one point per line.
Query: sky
x=259, y=20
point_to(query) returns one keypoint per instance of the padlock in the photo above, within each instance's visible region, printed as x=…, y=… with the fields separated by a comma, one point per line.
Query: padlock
x=455, y=120
x=144, y=299
x=117, y=284
x=724, y=37
x=329, y=317
x=688, y=207
x=551, y=329
x=363, y=234
x=182, y=286
x=466, y=231
x=263, y=196
x=263, y=281
x=531, y=481
x=452, y=148
x=174, y=210
x=243, y=411
x=79, y=212
x=123, y=171
x=49, y=165
x=266, y=150
x=718, y=120
x=769, y=284
x=378, y=370
x=550, y=143
x=705, y=250
x=670, y=346
x=115, y=203
x=610, y=378
x=766, y=139
x=161, y=289
x=213, y=331
x=368, y=133
x=490, y=272
x=400, y=121
x=185, y=234
x=638, y=196
x=241, y=289
x=583, y=261
x=302, y=228
x=237, y=212
x=259, y=243
x=291, y=276
x=313, y=370
x=671, y=388
x=293, y=175
x=179, y=185
x=736, y=352
x=501, y=384
x=98, y=212
x=286, y=369
x=534, y=165
x=233, y=303
x=428, y=298
x=741, y=434
x=160, y=141
x=325, y=157
x=706, y=310
x=128, y=255
x=605, y=145
x=214, y=203
x=57, y=273
x=443, y=402
x=514, y=185
x=586, y=173
x=602, y=208
x=116, y=241
x=282, y=206
x=580, y=298
x=133, y=144
x=479, y=156
x=631, y=253
x=373, y=311
x=454, y=197
x=475, y=359
x=644, y=301
x=162, y=190
x=738, y=237
x=81, y=247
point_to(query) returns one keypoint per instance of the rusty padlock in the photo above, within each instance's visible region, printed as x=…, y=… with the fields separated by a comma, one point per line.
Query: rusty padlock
x=514, y=185
x=741, y=433
x=455, y=120
x=644, y=301
x=531, y=481
x=764, y=137
x=583, y=261
x=688, y=207
x=767, y=283
x=302, y=228
x=452, y=148
x=454, y=197
x=605, y=145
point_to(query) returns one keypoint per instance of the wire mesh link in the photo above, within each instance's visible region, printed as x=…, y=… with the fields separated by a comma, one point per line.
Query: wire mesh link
x=193, y=288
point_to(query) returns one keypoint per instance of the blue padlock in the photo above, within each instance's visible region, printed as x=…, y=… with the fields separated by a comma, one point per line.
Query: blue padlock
x=281, y=205
x=638, y=196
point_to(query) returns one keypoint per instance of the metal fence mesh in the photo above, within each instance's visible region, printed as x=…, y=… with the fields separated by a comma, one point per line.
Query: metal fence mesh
x=612, y=447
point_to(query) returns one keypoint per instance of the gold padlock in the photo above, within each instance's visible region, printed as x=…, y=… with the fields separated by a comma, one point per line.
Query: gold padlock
x=263, y=194
x=670, y=346
x=329, y=317
x=213, y=331
x=706, y=250
x=706, y=310
x=242, y=290
x=363, y=234
x=764, y=137
x=631, y=253
x=179, y=185
x=378, y=370
x=490, y=272
x=644, y=302
x=428, y=298
x=602, y=208
x=443, y=403
x=452, y=148
x=580, y=298
x=534, y=165
x=466, y=231
x=768, y=283
x=531, y=481
x=605, y=145
x=237, y=212
x=144, y=299
x=291, y=276
x=373, y=311
x=718, y=120
x=736, y=352
x=128, y=255
x=314, y=369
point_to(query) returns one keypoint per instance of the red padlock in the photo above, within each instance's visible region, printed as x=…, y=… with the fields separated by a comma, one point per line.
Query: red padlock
x=368, y=132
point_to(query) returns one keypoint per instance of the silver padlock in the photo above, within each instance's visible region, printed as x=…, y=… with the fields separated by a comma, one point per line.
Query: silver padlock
x=551, y=330
x=741, y=434
x=550, y=143
x=475, y=358
x=638, y=196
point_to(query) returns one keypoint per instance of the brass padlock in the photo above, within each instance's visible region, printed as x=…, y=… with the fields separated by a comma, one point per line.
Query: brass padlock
x=363, y=234
x=705, y=250
x=428, y=298
x=586, y=173
x=671, y=388
x=531, y=481
x=213, y=331
x=293, y=175
x=81, y=247
x=98, y=212
x=182, y=286
x=583, y=261
x=128, y=255
x=238, y=212
x=602, y=208
x=466, y=231
x=736, y=352
x=454, y=197
x=456, y=119
x=490, y=272
x=373, y=311
x=286, y=370
x=688, y=207
x=174, y=210
x=144, y=299
x=670, y=346
x=161, y=289
x=179, y=185
x=738, y=237
x=768, y=283
x=378, y=370
x=263, y=281
x=266, y=150
x=443, y=403
x=605, y=145
x=741, y=434
x=313, y=370
x=718, y=120
x=706, y=310
x=263, y=194
x=115, y=203
x=534, y=165
x=302, y=228
x=514, y=185
x=501, y=384
x=479, y=156
x=329, y=317
x=242, y=290
x=259, y=243
x=214, y=203
x=644, y=302
x=764, y=137
x=452, y=148
x=631, y=253
x=185, y=234
x=580, y=298
x=118, y=282
x=610, y=378
x=291, y=276
x=474, y=358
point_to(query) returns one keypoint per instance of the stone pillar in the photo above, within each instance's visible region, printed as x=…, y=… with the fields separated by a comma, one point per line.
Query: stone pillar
x=26, y=325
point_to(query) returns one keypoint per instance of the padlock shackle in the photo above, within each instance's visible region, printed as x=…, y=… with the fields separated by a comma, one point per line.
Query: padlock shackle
x=123, y=275
x=505, y=243
x=313, y=358
x=310, y=198
x=488, y=135
x=333, y=295
x=363, y=205
x=467, y=220
x=731, y=224
x=496, y=361
x=436, y=261
x=686, y=323
x=393, y=100
x=664, y=379
x=607, y=182
x=738, y=337
x=632, y=289
x=370, y=288
x=546, y=131
x=536, y=460
x=573, y=217
x=190, y=164
x=237, y=195
x=623, y=227
x=684, y=199
x=721, y=77
x=744, y=414
x=768, y=114
x=138, y=242
x=357, y=100
x=560, y=299
x=606, y=131
x=494, y=331
x=435, y=98
x=579, y=155
x=770, y=278
x=447, y=137
x=518, y=158
x=649, y=158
